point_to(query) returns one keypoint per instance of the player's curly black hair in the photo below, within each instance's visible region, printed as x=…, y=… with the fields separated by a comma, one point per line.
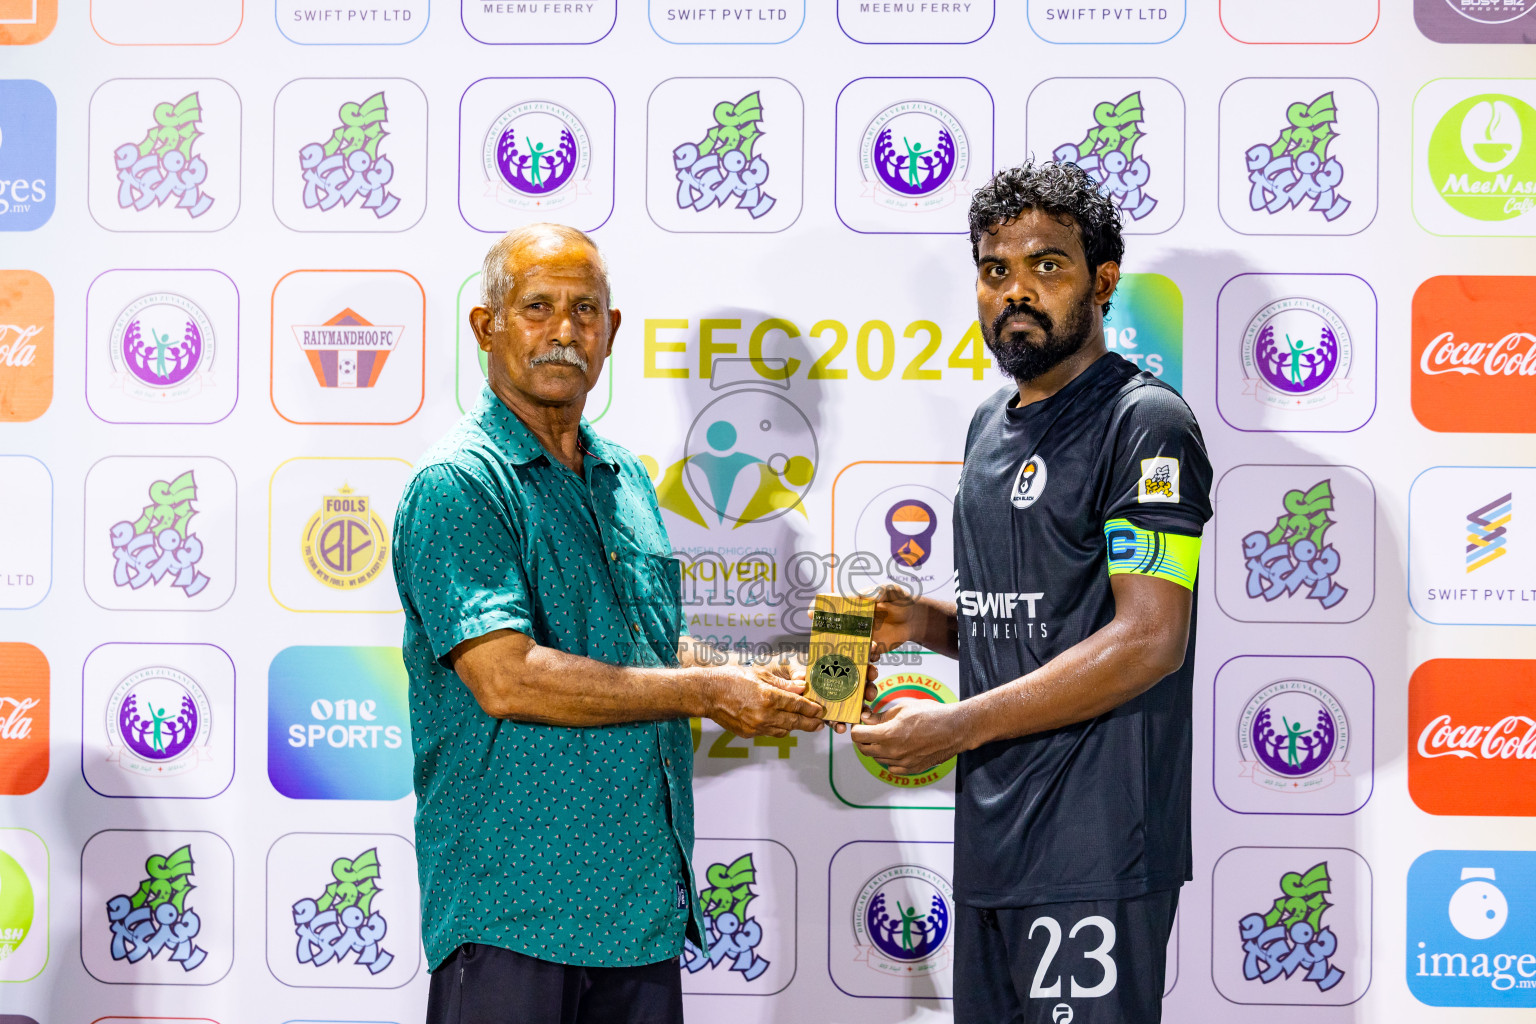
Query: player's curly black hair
x=1057, y=189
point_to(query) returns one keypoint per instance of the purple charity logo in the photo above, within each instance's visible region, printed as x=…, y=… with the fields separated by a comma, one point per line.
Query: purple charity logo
x=914, y=155
x=341, y=921
x=1295, y=553
x=162, y=348
x=1108, y=154
x=348, y=166
x=1296, y=166
x=159, y=545
x=536, y=156
x=901, y=920
x=911, y=525
x=1293, y=737
x=156, y=919
x=734, y=935
x=1296, y=353
x=1290, y=936
x=158, y=722
x=722, y=165
x=162, y=168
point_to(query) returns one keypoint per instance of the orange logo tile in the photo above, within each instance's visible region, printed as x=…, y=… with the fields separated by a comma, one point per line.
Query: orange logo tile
x=23, y=718
x=26, y=344
x=1472, y=736
x=1474, y=354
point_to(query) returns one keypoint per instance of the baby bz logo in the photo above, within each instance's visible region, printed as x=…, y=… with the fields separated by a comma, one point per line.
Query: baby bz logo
x=747, y=898
x=725, y=154
x=1472, y=928
x=1126, y=133
x=28, y=129
x=157, y=907
x=338, y=727
x=1299, y=156
x=1291, y=926
x=164, y=154
x=349, y=154
x=342, y=911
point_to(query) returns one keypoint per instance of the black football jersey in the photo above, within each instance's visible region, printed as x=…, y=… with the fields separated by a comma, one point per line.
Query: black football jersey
x=1100, y=809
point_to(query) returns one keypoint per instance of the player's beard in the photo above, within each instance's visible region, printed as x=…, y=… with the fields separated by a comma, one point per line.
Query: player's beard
x=1023, y=360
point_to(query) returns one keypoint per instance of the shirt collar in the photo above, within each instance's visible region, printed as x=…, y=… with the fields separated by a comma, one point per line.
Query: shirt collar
x=519, y=443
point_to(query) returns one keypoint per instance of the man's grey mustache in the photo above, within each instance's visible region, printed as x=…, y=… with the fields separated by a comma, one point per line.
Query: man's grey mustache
x=570, y=355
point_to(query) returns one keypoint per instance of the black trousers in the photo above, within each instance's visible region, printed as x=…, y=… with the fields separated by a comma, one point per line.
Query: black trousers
x=482, y=984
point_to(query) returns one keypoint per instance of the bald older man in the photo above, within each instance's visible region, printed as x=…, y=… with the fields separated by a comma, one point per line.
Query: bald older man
x=551, y=681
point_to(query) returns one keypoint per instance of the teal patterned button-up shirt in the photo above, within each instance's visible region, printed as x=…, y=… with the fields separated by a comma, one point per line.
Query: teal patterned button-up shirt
x=571, y=845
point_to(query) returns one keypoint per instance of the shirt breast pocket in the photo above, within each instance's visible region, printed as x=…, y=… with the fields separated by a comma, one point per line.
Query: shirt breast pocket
x=658, y=583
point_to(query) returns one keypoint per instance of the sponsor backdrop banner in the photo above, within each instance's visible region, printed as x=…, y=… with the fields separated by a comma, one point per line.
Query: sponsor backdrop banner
x=240, y=242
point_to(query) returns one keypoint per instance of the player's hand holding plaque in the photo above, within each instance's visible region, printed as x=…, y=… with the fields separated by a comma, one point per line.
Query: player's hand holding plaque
x=839, y=655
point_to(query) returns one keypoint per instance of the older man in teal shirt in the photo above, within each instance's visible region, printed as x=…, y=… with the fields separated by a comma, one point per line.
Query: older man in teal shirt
x=551, y=681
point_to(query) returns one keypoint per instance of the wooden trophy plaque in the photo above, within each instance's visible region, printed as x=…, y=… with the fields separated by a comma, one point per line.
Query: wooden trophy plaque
x=839, y=655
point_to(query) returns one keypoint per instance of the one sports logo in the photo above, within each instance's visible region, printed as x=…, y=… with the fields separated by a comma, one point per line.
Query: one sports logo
x=1061, y=1013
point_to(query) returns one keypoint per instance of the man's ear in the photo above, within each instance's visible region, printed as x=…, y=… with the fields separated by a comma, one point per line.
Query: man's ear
x=1106, y=280
x=481, y=322
x=614, y=319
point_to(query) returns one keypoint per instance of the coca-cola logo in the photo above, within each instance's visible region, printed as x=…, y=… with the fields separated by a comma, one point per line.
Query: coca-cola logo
x=1513, y=736
x=16, y=348
x=1474, y=354
x=1472, y=736
x=24, y=707
x=1513, y=355
x=15, y=722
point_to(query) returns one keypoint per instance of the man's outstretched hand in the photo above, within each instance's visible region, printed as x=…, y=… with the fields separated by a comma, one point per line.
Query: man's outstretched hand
x=761, y=700
x=912, y=736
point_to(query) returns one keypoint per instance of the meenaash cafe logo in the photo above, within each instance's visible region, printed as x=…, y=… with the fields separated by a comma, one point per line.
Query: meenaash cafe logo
x=1478, y=159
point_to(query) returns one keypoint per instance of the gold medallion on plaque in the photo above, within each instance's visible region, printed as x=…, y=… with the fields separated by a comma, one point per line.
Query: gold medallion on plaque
x=345, y=545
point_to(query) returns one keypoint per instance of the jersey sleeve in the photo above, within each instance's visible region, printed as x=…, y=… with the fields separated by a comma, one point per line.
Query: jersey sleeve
x=457, y=562
x=1158, y=476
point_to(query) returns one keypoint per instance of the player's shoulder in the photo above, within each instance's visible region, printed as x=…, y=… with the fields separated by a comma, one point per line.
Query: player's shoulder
x=992, y=409
x=1146, y=400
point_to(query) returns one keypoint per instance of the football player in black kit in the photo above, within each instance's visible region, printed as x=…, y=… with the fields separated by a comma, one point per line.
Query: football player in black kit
x=1077, y=537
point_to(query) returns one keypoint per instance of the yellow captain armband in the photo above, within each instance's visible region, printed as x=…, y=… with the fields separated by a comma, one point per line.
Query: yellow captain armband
x=1170, y=556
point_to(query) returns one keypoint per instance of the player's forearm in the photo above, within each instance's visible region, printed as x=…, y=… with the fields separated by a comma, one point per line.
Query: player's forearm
x=553, y=687
x=1114, y=665
x=938, y=627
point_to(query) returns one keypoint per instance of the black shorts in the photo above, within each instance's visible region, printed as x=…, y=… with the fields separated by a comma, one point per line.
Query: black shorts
x=1091, y=962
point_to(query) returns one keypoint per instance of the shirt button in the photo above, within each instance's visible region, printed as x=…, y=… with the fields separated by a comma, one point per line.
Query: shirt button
x=666, y=762
x=613, y=556
x=637, y=627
